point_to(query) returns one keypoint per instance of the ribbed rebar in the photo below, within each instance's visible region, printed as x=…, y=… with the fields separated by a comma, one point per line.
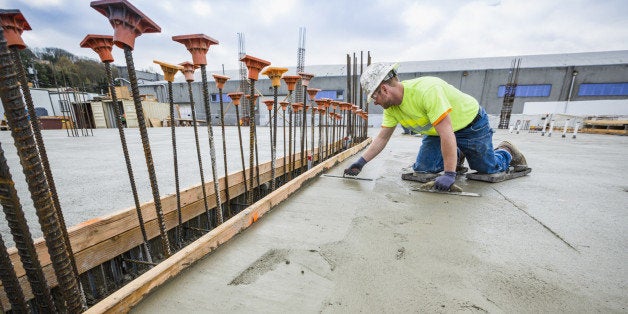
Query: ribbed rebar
x=312, y=129
x=21, y=73
x=10, y=283
x=127, y=159
x=246, y=188
x=198, y=151
x=24, y=141
x=22, y=237
x=224, y=152
x=252, y=143
x=274, y=139
x=290, y=150
x=165, y=242
x=303, y=128
x=212, y=148
x=173, y=133
x=283, y=125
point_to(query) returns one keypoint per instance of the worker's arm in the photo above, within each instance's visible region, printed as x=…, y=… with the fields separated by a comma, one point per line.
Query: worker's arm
x=449, y=151
x=374, y=149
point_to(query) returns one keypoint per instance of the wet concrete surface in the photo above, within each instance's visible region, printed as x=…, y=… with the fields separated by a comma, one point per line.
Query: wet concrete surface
x=553, y=241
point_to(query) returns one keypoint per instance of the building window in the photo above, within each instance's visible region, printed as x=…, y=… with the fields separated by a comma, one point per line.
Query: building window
x=603, y=89
x=216, y=98
x=331, y=94
x=536, y=90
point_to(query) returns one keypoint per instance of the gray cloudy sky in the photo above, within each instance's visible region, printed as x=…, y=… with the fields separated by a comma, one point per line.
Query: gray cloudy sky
x=393, y=30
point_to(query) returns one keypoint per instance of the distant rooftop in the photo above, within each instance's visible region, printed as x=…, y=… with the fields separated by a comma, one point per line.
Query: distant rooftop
x=529, y=61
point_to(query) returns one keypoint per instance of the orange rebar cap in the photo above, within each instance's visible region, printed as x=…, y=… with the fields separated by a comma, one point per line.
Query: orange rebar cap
x=269, y=104
x=220, y=80
x=127, y=21
x=312, y=92
x=188, y=70
x=13, y=24
x=255, y=65
x=291, y=81
x=235, y=97
x=305, y=78
x=101, y=44
x=197, y=45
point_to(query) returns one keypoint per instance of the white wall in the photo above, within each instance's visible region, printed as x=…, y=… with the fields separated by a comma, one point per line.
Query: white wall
x=617, y=107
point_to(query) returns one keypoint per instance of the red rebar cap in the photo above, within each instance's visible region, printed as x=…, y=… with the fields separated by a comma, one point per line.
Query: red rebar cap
x=327, y=102
x=284, y=105
x=274, y=74
x=312, y=92
x=169, y=70
x=320, y=103
x=101, y=44
x=188, y=70
x=334, y=104
x=269, y=104
x=220, y=80
x=127, y=21
x=235, y=97
x=13, y=24
x=255, y=65
x=305, y=78
x=291, y=81
x=197, y=45
x=297, y=106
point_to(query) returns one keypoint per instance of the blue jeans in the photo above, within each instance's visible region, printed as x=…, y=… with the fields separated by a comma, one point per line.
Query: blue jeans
x=475, y=141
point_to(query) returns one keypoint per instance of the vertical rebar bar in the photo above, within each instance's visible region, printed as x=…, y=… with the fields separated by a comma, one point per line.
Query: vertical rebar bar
x=10, y=283
x=246, y=188
x=21, y=73
x=212, y=148
x=24, y=140
x=252, y=143
x=198, y=149
x=22, y=237
x=224, y=153
x=127, y=159
x=165, y=242
x=274, y=139
x=303, y=128
x=178, y=233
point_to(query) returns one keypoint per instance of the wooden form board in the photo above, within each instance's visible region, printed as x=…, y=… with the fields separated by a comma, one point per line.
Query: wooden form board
x=98, y=240
x=131, y=294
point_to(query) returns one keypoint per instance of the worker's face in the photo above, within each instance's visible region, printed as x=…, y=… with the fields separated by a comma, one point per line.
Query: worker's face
x=381, y=96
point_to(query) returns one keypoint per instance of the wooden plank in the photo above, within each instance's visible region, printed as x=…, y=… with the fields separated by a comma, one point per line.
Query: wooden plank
x=131, y=294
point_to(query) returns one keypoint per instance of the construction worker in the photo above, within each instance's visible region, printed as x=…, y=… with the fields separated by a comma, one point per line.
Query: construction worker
x=452, y=122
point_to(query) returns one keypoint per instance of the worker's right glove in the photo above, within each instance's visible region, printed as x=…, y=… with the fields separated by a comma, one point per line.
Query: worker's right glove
x=356, y=167
x=444, y=182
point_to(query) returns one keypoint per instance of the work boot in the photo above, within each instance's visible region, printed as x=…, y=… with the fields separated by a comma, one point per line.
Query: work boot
x=422, y=177
x=460, y=168
x=518, y=161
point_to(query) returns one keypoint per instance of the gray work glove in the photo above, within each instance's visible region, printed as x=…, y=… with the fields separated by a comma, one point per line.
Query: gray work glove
x=356, y=167
x=444, y=182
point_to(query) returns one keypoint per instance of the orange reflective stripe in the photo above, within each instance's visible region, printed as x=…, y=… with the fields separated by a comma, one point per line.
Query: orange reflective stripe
x=442, y=117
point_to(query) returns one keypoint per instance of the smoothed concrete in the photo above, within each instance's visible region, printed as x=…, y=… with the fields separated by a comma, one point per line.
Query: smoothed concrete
x=553, y=241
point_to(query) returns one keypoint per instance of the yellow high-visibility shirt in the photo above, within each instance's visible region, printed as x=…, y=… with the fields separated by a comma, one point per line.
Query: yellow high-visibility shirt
x=426, y=101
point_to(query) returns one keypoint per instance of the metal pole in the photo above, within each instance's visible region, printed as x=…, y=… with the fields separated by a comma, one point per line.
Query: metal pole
x=224, y=153
x=176, y=167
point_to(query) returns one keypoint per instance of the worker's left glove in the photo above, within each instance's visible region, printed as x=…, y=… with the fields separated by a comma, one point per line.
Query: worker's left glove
x=444, y=182
x=356, y=167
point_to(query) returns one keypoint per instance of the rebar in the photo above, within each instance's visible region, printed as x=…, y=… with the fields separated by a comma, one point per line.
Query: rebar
x=303, y=128
x=224, y=153
x=22, y=237
x=198, y=150
x=176, y=167
x=127, y=159
x=212, y=148
x=21, y=73
x=25, y=143
x=252, y=143
x=165, y=242
x=291, y=163
x=246, y=188
x=274, y=139
x=10, y=282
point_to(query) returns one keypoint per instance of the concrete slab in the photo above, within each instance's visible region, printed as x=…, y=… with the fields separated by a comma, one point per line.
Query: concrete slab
x=553, y=241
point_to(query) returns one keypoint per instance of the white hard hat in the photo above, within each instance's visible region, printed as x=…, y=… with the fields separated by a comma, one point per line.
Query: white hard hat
x=375, y=74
